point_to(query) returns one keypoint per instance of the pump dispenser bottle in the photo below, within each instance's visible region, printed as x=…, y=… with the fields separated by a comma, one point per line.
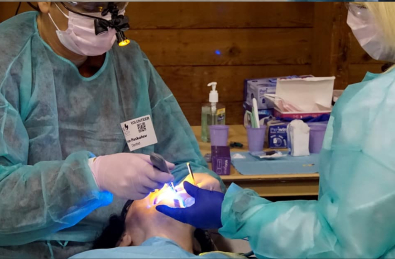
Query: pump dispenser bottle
x=213, y=113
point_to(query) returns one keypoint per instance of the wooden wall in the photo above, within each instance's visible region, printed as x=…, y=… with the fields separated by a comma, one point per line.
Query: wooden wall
x=192, y=44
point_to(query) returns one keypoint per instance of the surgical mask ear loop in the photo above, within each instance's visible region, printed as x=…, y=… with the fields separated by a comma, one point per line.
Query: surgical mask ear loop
x=65, y=15
x=61, y=11
x=53, y=21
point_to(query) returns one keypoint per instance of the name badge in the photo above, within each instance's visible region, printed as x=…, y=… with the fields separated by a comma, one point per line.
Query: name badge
x=139, y=132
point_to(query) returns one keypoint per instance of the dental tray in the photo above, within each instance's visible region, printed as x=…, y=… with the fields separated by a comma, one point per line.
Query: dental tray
x=268, y=155
x=247, y=164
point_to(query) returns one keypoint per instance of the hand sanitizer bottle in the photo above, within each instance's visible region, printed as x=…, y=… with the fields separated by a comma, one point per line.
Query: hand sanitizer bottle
x=213, y=113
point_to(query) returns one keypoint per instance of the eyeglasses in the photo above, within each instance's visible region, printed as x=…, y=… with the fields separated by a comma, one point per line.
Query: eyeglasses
x=93, y=7
x=360, y=11
x=125, y=208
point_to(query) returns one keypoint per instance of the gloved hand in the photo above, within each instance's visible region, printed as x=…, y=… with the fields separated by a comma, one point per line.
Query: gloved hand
x=204, y=214
x=206, y=181
x=129, y=176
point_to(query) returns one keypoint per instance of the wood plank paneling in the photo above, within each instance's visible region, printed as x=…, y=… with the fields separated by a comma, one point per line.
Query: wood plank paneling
x=192, y=44
x=189, y=84
x=205, y=15
x=358, y=71
x=219, y=15
x=225, y=46
x=343, y=56
x=328, y=21
x=8, y=9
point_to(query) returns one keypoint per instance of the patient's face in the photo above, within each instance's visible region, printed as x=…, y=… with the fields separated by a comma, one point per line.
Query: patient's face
x=165, y=196
x=143, y=218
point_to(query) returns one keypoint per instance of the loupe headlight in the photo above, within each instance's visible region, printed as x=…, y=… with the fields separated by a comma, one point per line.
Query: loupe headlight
x=122, y=39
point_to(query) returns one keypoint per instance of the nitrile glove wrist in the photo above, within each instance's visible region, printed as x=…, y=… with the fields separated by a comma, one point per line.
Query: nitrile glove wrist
x=204, y=214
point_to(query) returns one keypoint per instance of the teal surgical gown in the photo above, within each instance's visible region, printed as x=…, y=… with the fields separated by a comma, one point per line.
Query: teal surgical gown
x=155, y=247
x=354, y=215
x=51, y=122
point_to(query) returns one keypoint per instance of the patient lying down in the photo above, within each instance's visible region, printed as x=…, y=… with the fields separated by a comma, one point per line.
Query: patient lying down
x=143, y=232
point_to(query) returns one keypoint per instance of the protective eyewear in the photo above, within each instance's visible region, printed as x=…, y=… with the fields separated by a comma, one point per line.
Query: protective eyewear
x=125, y=208
x=93, y=7
x=360, y=12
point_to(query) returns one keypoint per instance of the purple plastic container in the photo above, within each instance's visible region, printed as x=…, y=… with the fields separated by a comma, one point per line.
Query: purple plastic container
x=256, y=138
x=219, y=135
x=317, y=133
x=220, y=160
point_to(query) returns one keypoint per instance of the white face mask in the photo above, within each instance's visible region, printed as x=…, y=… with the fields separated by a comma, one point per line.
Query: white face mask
x=368, y=34
x=80, y=35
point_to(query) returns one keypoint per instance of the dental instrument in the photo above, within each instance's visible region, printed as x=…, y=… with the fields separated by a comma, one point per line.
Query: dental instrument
x=160, y=163
x=191, y=172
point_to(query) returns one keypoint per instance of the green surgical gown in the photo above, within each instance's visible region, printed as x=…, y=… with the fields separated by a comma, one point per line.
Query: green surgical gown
x=154, y=247
x=354, y=215
x=51, y=122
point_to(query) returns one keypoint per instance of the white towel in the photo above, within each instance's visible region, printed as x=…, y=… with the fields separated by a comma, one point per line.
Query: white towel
x=298, y=138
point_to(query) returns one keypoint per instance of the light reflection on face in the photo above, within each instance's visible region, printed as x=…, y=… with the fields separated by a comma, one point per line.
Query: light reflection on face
x=167, y=196
x=144, y=221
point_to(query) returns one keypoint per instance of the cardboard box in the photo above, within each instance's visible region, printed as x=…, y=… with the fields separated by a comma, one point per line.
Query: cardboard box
x=257, y=88
x=220, y=160
x=312, y=95
x=277, y=135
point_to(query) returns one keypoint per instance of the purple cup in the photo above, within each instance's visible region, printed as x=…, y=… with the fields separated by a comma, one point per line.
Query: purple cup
x=256, y=138
x=317, y=133
x=219, y=135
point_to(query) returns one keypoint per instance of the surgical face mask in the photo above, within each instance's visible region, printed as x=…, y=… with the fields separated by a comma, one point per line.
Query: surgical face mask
x=368, y=34
x=80, y=35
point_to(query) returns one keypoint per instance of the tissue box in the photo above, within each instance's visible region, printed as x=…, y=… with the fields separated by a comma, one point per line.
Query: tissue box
x=277, y=135
x=220, y=160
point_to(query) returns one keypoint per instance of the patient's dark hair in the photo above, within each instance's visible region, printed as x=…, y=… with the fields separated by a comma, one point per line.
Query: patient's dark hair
x=116, y=226
x=387, y=66
x=34, y=6
x=111, y=233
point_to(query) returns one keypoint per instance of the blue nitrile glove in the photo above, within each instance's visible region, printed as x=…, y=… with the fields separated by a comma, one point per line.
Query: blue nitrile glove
x=204, y=214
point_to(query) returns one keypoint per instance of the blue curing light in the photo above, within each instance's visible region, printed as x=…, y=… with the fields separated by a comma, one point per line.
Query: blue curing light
x=171, y=195
x=218, y=52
